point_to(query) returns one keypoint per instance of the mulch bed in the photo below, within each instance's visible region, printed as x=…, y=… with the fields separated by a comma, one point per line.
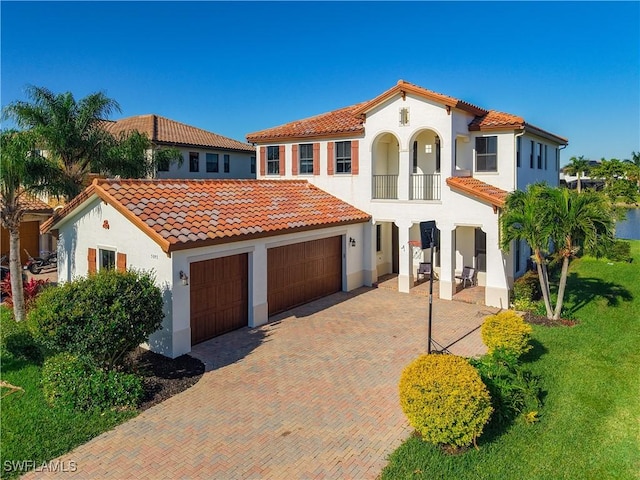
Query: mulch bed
x=163, y=377
x=542, y=320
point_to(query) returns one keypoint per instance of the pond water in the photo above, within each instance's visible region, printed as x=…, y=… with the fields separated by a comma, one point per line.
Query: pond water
x=630, y=227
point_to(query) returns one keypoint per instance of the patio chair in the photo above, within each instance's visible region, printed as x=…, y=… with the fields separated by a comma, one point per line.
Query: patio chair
x=467, y=275
x=424, y=269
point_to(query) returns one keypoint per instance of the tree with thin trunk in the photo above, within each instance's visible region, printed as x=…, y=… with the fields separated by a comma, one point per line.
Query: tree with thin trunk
x=74, y=134
x=23, y=172
x=544, y=216
x=524, y=218
x=579, y=221
x=579, y=167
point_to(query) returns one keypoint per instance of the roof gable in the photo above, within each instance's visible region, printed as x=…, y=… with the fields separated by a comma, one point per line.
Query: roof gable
x=180, y=214
x=402, y=88
x=161, y=130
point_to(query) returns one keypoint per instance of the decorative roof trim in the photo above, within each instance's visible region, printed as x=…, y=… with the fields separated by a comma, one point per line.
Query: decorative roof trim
x=278, y=138
x=402, y=88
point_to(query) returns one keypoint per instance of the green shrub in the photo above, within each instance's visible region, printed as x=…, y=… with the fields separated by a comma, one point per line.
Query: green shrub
x=74, y=382
x=507, y=331
x=103, y=316
x=527, y=288
x=620, y=251
x=16, y=341
x=444, y=399
x=514, y=390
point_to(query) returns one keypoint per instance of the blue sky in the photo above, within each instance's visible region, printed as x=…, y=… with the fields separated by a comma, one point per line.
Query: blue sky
x=233, y=68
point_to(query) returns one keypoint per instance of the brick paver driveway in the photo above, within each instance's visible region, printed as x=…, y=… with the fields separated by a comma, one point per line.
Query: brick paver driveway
x=311, y=395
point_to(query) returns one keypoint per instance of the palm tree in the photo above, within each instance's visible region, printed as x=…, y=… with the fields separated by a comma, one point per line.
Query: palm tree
x=545, y=216
x=69, y=130
x=73, y=133
x=525, y=218
x=23, y=172
x=578, y=221
x=578, y=166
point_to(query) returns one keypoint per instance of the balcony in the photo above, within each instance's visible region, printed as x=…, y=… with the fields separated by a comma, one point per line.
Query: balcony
x=424, y=187
x=384, y=187
x=421, y=187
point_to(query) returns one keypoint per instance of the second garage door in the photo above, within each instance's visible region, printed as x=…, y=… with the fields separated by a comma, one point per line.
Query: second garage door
x=303, y=272
x=219, y=299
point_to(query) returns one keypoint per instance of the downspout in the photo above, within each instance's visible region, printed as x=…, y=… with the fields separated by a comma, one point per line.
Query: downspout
x=515, y=156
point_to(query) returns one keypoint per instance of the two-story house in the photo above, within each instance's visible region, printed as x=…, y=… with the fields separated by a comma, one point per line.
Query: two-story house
x=411, y=155
x=206, y=155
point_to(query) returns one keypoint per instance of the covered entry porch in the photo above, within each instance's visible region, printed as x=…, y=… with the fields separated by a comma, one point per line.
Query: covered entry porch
x=399, y=254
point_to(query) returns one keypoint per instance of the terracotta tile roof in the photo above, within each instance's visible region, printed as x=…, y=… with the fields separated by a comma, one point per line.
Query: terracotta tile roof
x=479, y=189
x=495, y=120
x=34, y=205
x=335, y=123
x=349, y=121
x=403, y=87
x=161, y=130
x=180, y=214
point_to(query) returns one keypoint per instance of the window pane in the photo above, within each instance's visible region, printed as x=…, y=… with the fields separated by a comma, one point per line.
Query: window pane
x=212, y=162
x=107, y=259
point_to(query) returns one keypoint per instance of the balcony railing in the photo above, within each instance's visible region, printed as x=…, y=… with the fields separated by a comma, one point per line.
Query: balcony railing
x=385, y=187
x=424, y=187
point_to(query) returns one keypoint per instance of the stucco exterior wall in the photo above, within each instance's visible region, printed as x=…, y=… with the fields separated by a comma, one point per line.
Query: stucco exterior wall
x=87, y=229
x=239, y=165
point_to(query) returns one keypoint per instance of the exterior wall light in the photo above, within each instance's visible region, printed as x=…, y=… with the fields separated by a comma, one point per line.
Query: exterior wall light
x=352, y=241
x=184, y=278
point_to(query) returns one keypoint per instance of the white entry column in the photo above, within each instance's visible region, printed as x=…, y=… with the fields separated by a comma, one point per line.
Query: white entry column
x=405, y=264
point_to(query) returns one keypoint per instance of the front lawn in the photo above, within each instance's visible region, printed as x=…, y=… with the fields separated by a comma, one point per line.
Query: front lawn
x=34, y=432
x=588, y=425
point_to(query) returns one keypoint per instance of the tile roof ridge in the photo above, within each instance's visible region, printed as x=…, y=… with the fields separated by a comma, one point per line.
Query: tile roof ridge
x=197, y=128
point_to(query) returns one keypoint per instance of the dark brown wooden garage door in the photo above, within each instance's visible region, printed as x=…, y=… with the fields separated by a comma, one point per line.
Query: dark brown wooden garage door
x=29, y=240
x=303, y=272
x=218, y=296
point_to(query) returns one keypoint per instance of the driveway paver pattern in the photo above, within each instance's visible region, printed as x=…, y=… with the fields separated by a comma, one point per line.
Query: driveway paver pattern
x=311, y=395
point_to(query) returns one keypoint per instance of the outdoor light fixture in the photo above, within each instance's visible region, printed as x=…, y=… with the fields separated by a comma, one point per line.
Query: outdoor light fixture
x=184, y=278
x=352, y=241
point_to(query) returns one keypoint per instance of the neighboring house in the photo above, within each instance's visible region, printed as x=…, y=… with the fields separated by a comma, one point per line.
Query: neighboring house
x=571, y=181
x=226, y=253
x=205, y=154
x=36, y=212
x=411, y=155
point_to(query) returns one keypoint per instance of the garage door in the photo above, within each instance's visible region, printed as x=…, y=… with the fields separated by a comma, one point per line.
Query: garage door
x=303, y=272
x=219, y=296
x=29, y=240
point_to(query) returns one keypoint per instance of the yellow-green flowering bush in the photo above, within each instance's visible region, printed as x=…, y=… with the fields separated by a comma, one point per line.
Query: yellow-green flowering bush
x=444, y=399
x=506, y=331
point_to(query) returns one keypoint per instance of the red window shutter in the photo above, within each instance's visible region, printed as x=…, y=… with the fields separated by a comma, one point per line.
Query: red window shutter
x=282, y=162
x=121, y=262
x=91, y=259
x=316, y=159
x=355, y=157
x=330, y=158
x=294, y=159
x=263, y=160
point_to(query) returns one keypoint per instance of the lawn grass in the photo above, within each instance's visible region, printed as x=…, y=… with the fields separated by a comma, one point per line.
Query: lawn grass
x=589, y=423
x=33, y=431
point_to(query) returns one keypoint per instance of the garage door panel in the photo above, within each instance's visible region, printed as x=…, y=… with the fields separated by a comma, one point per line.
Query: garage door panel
x=303, y=272
x=219, y=296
